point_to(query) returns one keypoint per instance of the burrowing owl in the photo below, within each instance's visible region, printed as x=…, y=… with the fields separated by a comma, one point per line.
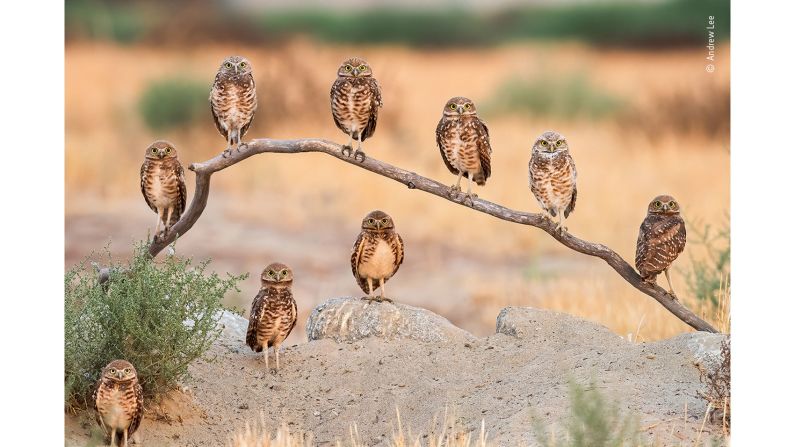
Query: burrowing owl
x=119, y=401
x=273, y=312
x=463, y=140
x=553, y=176
x=233, y=100
x=355, y=99
x=661, y=239
x=163, y=183
x=377, y=254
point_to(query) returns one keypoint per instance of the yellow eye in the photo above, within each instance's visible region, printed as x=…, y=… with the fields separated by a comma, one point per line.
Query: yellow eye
x=657, y=204
x=113, y=370
x=362, y=67
x=452, y=106
x=384, y=221
x=544, y=143
x=168, y=150
x=271, y=273
x=228, y=65
x=558, y=143
x=284, y=272
x=672, y=204
x=126, y=370
x=371, y=221
x=348, y=68
x=468, y=106
x=242, y=65
x=154, y=150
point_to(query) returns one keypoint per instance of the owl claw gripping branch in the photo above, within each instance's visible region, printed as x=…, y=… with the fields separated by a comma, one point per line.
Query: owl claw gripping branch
x=355, y=100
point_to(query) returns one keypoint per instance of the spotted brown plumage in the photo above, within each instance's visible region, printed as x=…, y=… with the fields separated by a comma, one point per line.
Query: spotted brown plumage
x=163, y=183
x=119, y=402
x=273, y=311
x=377, y=254
x=233, y=100
x=553, y=176
x=661, y=240
x=463, y=141
x=355, y=100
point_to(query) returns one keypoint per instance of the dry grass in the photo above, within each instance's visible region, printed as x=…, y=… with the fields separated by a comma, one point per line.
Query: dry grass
x=620, y=166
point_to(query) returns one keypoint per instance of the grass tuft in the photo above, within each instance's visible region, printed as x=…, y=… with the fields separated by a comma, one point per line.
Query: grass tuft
x=173, y=102
x=158, y=316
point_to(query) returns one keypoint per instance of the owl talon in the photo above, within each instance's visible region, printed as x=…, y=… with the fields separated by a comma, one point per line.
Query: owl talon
x=227, y=152
x=358, y=153
x=347, y=148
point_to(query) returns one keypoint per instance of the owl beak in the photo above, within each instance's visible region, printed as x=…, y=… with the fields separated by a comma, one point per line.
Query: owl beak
x=460, y=110
x=120, y=374
x=356, y=72
x=666, y=207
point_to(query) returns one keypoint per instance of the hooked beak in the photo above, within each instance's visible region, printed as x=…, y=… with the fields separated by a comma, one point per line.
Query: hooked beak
x=666, y=207
x=161, y=154
x=460, y=110
x=356, y=72
x=120, y=374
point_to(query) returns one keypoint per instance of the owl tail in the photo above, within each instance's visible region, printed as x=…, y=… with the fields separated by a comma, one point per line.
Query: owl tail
x=479, y=178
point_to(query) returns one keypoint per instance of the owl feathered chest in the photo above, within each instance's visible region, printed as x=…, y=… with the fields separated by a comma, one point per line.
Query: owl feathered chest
x=661, y=240
x=278, y=314
x=234, y=100
x=117, y=403
x=553, y=176
x=352, y=101
x=459, y=139
x=161, y=183
x=379, y=255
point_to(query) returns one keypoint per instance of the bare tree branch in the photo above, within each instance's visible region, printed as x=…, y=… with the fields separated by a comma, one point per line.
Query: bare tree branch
x=414, y=181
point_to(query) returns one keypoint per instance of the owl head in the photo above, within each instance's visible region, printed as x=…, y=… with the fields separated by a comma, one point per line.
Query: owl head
x=459, y=106
x=119, y=371
x=664, y=204
x=277, y=274
x=377, y=221
x=355, y=68
x=161, y=149
x=550, y=143
x=234, y=66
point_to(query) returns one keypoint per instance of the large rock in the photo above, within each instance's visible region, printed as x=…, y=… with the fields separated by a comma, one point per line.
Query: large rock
x=548, y=327
x=350, y=319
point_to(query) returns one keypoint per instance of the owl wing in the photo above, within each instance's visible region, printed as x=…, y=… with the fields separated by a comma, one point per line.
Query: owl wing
x=399, y=252
x=245, y=127
x=440, y=142
x=358, y=248
x=94, y=396
x=144, y=168
x=257, y=307
x=139, y=410
x=375, y=92
x=214, y=92
x=484, y=148
x=295, y=316
x=660, y=242
x=573, y=201
x=183, y=191
x=335, y=89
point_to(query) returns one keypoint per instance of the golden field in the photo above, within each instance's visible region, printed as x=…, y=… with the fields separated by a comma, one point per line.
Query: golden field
x=305, y=209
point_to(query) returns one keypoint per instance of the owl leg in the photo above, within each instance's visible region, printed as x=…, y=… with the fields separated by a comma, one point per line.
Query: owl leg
x=267, y=351
x=369, y=296
x=382, y=284
x=276, y=350
x=228, y=151
x=348, y=147
x=455, y=189
x=168, y=217
x=670, y=286
x=112, y=437
x=125, y=438
x=561, y=219
x=359, y=151
x=159, y=218
x=469, y=195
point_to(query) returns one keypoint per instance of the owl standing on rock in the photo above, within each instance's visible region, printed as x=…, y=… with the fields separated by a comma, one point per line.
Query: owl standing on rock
x=163, y=183
x=463, y=140
x=273, y=312
x=660, y=241
x=377, y=254
x=233, y=100
x=553, y=176
x=119, y=401
x=355, y=100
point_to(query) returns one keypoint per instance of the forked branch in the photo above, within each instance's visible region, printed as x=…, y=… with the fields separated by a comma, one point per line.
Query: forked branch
x=412, y=180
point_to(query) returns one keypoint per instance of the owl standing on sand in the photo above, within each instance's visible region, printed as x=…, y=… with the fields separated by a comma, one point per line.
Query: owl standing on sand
x=355, y=100
x=163, y=183
x=377, y=254
x=660, y=241
x=273, y=312
x=553, y=176
x=119, y=401
x=233, y=100
x=463, y=141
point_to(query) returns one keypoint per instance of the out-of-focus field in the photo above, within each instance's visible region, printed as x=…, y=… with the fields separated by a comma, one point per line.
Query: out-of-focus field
x=306, y=209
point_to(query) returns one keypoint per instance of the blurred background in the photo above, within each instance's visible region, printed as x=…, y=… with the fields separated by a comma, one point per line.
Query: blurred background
x=624, y=82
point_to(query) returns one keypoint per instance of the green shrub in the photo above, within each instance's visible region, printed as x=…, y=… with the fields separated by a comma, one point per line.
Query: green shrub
x=160, y=316
x=709, y=279
x=593, y=421
x=567, y=96
x=173, y=102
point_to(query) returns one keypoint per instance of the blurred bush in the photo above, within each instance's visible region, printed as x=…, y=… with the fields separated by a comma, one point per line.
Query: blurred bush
x=709, y=279
x=567, y=96
x=664, y=23
x=158, y=316
x=173, y=102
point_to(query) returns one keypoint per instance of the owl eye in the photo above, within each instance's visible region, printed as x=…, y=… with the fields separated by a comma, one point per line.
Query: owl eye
x=362, y=67
x=228, y=65
x=127, y=371
x=657, y=204
x=558, y=143
x=452, y=106
x=154, y=150
x=348, y=67
x=371, y=221
x=242, y=65
x=672, y=204
x=544, y=143
x=384, y=221
x=271, y=273
x=468, y=106
x=284, y=272
x=168, y=150
x=113, y=370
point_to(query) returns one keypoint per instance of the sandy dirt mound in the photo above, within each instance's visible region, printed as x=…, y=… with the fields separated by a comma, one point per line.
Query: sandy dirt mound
x=364, y=361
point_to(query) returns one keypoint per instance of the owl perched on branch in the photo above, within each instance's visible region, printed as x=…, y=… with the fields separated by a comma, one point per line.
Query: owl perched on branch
x=553, y=176
x=119, y=401
x=463, y=141
x=355, y=100
x=233, y=100
x=661, y=240
x=163, y=183
x=273, y=312
x=377, y=254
